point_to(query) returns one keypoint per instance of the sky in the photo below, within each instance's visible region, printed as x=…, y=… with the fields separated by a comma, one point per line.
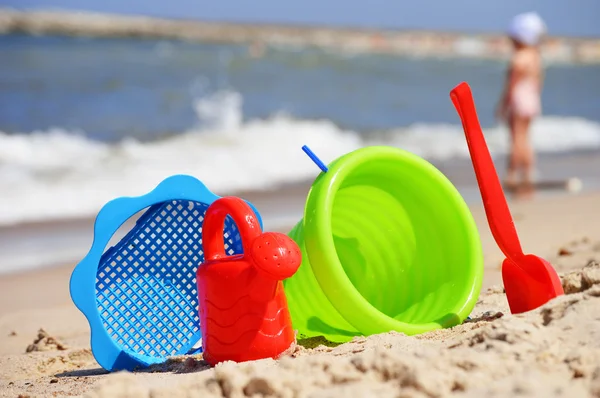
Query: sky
x=563, y=17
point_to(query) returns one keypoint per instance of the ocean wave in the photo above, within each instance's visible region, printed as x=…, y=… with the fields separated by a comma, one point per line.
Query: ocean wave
x=59, y=174
x=549, y=134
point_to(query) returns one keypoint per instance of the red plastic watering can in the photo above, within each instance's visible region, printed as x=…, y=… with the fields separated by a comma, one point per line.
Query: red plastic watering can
x=243, y=309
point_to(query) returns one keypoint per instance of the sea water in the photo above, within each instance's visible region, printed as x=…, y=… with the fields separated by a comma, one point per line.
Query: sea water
x=86, y=120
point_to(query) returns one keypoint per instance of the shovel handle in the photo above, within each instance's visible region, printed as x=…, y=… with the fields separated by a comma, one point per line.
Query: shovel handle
x=496, y=209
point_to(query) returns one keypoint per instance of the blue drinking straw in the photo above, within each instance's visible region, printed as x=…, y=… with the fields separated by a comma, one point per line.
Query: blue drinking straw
x=314, y=158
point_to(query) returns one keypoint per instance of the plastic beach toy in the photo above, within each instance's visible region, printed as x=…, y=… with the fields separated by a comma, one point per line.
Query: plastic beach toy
x=529, y=280
x=243, y=309
x=387, y=243
x=139, y=296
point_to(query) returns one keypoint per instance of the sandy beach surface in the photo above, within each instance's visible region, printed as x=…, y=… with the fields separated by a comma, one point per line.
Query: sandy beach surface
x=551, y=351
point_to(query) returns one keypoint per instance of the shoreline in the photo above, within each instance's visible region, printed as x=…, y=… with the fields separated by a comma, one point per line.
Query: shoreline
x=547, y=243
x=30, y=245
x=362, y=40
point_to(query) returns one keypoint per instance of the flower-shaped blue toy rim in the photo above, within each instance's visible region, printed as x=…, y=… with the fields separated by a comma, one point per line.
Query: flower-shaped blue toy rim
x=83, y=279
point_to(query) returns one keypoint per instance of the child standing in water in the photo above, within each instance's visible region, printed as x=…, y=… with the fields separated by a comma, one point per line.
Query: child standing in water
x=520, y=102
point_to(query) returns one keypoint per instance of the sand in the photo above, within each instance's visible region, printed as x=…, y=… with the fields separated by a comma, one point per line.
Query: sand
x=551, y=351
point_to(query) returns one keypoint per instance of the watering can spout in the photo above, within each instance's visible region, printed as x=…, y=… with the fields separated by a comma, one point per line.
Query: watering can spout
x=276, y=256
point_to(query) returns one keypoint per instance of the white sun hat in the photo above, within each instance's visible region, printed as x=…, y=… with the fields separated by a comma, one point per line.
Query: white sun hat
x=527, y=28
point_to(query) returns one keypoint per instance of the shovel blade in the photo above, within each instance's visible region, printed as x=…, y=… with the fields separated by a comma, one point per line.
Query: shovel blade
x=530, y=284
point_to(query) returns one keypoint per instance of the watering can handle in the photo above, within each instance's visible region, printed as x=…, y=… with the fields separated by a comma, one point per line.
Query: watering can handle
x=214, y=223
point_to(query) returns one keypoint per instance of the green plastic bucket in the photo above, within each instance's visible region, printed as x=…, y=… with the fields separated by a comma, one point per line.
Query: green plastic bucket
x=388, y=243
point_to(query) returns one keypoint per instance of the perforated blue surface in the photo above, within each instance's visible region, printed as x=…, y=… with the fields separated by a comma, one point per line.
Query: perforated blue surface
x=142, y=304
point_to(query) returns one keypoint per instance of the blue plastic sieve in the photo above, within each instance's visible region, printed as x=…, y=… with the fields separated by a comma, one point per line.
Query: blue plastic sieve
x=140, y=296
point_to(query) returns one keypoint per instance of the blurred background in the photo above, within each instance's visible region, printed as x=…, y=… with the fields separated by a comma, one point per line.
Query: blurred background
x=97, y=101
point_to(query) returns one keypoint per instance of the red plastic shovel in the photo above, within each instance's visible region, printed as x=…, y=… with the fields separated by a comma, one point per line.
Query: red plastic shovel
x=529, y=281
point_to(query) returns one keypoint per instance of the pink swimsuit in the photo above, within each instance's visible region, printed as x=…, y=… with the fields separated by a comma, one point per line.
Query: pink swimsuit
x=525, y=100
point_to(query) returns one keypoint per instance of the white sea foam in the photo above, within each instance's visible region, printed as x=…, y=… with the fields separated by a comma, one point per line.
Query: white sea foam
x=58, y=173
x=549, y=134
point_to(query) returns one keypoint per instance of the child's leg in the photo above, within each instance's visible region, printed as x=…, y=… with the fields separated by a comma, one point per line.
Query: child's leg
x=524, y=150
x=514, y=153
